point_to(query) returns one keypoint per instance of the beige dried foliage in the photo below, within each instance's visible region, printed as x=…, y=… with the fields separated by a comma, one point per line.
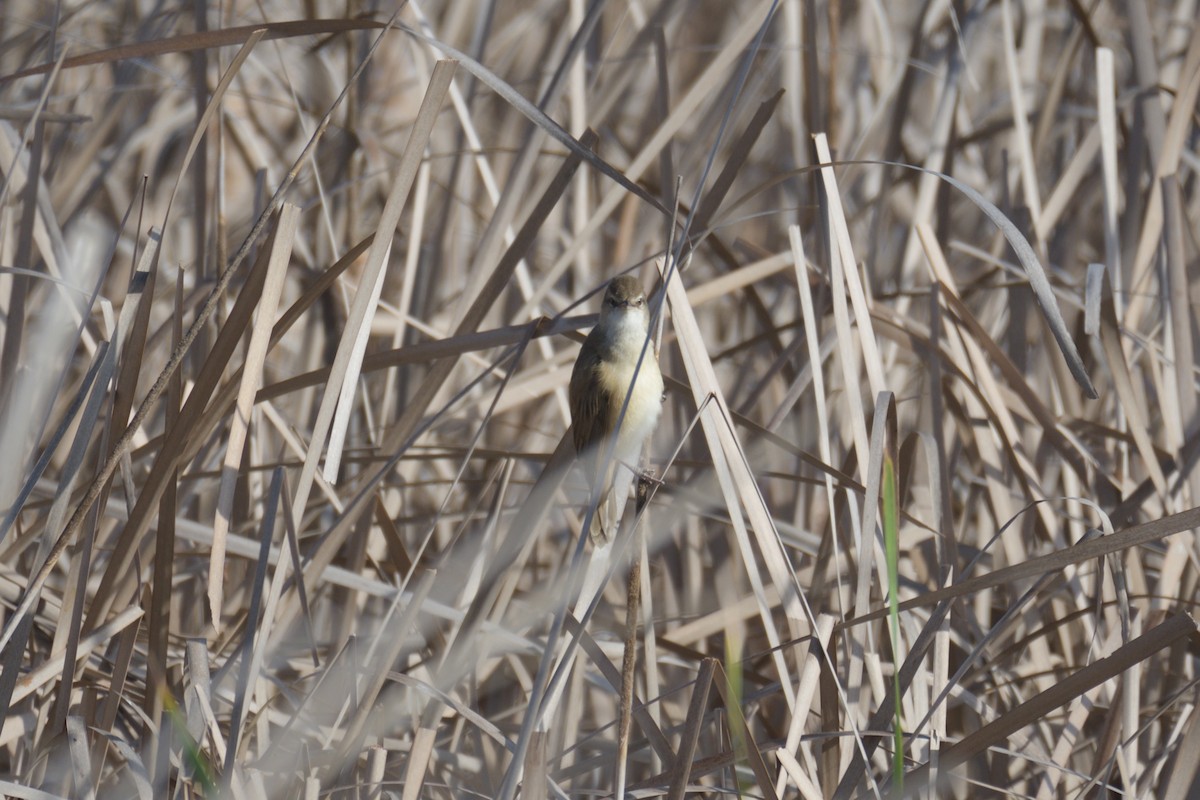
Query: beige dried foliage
x=419, y=616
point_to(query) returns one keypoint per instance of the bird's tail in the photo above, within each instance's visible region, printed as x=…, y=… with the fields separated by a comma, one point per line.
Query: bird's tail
x=602, y=519
x=607, y=518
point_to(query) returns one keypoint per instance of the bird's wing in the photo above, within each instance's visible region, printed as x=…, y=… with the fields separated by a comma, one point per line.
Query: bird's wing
x=591, y=404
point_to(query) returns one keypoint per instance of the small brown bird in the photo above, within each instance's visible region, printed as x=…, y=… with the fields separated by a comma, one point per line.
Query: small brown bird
x=606, y=366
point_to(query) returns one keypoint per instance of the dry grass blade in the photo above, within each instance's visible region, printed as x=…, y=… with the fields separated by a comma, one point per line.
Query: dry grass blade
x=202, y=40
x=348, y=361
x=423, y=352
x=1159, y=638
x=805, y=688
x=1185, y=772
x=1110, y=340
x=577, y=147
x=1107, y=129
x=251, y=649
x=225, y=400
x=256, y=351
x=344, y=370
x=80, y=760
x=633, y=597
x=691, y=729
x=170, y=453
x=1118, y=542
x=1029, y=187
x=175, y=381
x=700, y=91
x=741, y=732
x=387, y=651
x=736, y=480
x=844, y=268
x=1038, y=281
x=32, y=681
x=102, y=360
x=160, y=385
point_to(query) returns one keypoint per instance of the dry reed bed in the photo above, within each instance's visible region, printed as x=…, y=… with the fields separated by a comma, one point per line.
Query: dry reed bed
x=290, y=309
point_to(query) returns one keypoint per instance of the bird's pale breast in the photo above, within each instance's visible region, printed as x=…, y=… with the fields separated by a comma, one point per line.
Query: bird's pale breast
x=645, y=403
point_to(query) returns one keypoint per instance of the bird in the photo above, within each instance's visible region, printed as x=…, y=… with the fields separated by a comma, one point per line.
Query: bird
x=604, y=370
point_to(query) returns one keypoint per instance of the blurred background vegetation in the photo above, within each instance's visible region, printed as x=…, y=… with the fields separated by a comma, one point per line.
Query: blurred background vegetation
x=290, y=296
